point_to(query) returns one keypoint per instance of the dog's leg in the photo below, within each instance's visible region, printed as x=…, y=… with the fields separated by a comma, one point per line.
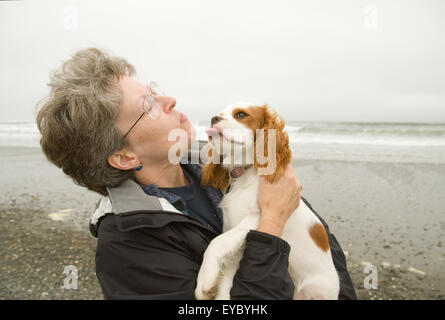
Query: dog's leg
x=309, y=294
x=221, y=249
x=226, y=282
x=319, y=287
x=219, y=252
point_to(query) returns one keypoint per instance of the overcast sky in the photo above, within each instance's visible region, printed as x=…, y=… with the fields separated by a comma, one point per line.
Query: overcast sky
x=330, y=60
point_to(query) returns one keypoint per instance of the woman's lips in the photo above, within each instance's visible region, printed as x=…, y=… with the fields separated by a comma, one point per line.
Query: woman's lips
x=183, y=117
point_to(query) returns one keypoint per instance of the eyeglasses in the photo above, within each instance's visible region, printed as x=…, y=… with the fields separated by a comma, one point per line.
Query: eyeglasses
x=149, y=105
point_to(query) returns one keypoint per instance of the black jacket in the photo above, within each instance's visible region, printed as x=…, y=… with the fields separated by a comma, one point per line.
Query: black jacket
x=148, y=250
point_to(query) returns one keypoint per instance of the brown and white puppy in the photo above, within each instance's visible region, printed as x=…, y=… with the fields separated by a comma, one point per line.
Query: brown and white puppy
x=246, y=141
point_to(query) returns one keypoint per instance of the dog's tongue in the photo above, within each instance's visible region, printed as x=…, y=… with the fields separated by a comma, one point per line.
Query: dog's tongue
x=212, y=132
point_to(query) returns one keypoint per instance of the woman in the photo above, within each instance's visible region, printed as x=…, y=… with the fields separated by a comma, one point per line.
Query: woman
x=109, y=133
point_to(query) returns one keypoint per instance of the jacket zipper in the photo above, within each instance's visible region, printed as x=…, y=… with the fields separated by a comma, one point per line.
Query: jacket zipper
x=193, y=220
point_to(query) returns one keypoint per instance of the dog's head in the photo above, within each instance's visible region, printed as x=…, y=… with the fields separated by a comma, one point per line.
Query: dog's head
x=245, y=134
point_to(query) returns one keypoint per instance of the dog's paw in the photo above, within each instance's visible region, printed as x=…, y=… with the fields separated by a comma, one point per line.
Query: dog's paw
x=202, y=294
x=208, y=278
x=222, y=295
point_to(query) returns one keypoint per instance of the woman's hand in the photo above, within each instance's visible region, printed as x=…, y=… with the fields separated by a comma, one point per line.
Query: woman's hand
x=277, y=201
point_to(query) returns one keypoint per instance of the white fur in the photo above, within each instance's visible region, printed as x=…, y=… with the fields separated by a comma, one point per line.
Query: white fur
x=311, y=269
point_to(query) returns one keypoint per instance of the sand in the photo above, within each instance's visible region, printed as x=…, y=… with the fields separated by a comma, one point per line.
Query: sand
x=389, y=215
x=384, y=214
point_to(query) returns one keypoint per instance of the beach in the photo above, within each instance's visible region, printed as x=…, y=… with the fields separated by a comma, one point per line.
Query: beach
x=387, y=215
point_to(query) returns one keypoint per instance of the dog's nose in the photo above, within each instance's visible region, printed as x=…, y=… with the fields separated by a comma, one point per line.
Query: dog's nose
x=215, y=120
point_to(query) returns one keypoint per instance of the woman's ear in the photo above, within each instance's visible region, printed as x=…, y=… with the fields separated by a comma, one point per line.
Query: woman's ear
x=123, y=160
x=269, y=159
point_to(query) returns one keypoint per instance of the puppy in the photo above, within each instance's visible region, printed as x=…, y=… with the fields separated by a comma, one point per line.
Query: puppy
x=246, y=141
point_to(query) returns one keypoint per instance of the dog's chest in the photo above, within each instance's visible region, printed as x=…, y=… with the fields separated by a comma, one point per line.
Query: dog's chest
x=241, y=200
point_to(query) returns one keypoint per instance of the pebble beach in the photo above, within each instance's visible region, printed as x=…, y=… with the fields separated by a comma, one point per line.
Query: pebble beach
x=388, y=217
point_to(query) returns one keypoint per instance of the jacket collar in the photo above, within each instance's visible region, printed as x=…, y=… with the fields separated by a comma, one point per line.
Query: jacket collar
x=128, y=198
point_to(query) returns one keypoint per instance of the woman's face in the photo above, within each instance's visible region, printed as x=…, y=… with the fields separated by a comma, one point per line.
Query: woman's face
x=148, y=139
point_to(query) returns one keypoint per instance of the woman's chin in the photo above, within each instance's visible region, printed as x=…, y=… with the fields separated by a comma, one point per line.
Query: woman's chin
x=191, y=132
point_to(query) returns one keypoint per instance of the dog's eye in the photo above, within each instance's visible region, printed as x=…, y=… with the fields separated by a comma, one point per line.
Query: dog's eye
x=240, y=115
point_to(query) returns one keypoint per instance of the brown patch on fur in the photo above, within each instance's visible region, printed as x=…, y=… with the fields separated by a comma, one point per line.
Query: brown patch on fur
x=214, y=175
x=254, y=119
x=258, y=117
x=319, y=235
x=283, y=153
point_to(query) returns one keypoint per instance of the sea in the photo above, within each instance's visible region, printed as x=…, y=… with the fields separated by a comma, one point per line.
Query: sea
x=347, y=141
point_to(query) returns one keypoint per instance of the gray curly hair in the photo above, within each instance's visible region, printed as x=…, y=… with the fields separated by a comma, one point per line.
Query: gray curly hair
x=77, y=119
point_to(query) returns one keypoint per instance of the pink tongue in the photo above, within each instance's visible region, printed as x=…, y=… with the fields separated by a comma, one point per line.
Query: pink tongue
x=212, y=132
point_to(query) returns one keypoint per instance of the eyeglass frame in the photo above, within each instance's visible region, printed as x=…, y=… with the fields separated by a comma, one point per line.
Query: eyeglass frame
x=151, y=101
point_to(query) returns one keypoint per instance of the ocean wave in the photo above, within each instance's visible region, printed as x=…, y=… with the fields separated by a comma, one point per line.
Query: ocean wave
x=380, y=130
x=404, y=135
x=369, y=134
x=363, y=134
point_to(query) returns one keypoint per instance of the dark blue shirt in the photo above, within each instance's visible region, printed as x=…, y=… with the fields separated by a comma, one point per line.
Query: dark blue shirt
x=191, y=199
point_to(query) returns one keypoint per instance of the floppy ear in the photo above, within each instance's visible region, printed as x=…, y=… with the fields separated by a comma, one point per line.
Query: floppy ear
x=214, y=175
x=280, y=155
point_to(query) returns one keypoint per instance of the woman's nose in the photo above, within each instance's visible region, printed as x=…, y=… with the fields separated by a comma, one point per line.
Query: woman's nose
x=167, y=103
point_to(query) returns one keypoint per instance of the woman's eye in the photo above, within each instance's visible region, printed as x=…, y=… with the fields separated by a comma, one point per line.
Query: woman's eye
x=240, y=114
x=147, y=106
